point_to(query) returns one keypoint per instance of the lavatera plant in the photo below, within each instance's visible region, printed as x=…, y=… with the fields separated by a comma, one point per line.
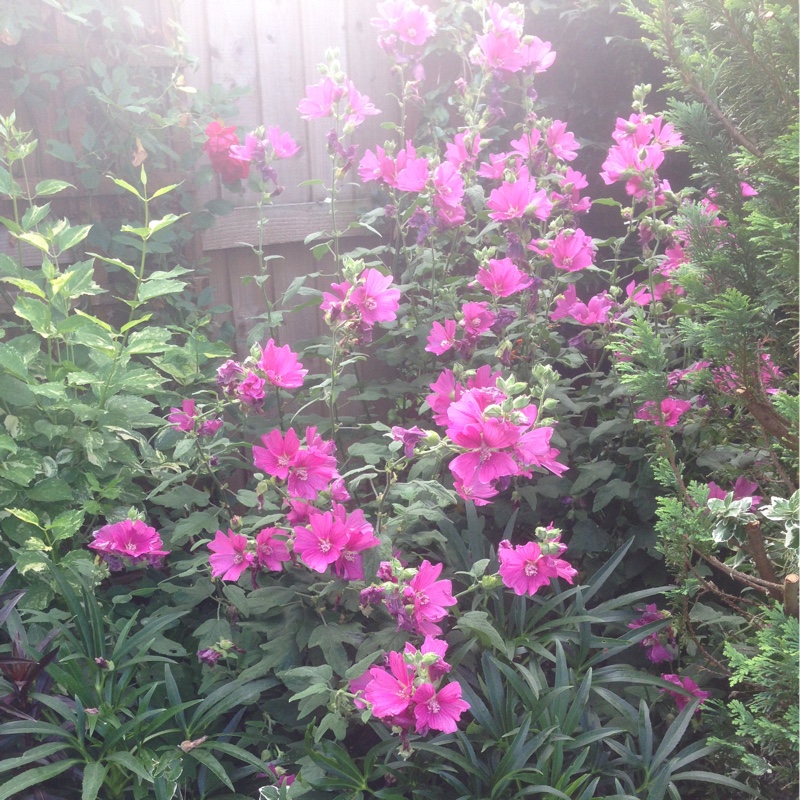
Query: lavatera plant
x=81, y=376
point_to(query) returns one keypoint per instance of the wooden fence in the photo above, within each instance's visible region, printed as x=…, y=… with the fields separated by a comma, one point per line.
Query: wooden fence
x=267, y=51
x=271, y=49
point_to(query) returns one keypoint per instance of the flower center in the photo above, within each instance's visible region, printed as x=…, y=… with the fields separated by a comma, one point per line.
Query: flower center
x=370, y=303
x=131, y=546
x=422, y=598
x=531, y=569
x=433, y=706
x=349, y=555
x=567, y=262
x=238, y=558
x=324, y=545
x=283, y=461
x=301, y=474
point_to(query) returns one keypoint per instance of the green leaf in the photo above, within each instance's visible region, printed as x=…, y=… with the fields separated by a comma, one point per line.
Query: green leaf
x=148, y=340
x=51, y=490
x=34, y=215
x=32, y=754
x=51, y=186
x=153, y=288
x=193, y=525
x=615, y=488
x=25, y=515
x=35, y=777
x=165, y=190
x=478, y=624
x=330, y=639
x=93, y=776
x=132, y=764
x=11, y=361
x=212, y=763
x=127, y=187
x=35, y=240
x=713, y=777
x=595, y=471
x=37, y=313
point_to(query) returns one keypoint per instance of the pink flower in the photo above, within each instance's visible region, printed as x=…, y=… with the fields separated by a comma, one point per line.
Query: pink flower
x=183, y=418
x=359, y=106
x=501, y=51
x=523, y=568
x=533, y=449
x=322, y=542
x=320, y=99
x=518, y=199
x=271, y=551
x=487, y=457
x=251, y=390
x=438, y=711
x=527, y=144
x=360, y=537
x=571, y=251
x=688, y=685
x=741, y=488
x=677, y=375
x=442, y=337
x=281, y=366
x=129, y=540
x=444, y=391
x=230, y=557
x=411, y=23
x=429, y=597
x=463, y=149
x=495, y=167
x=477, y=318
x=572, y=182
x=310, y=472
x=538, y=56
x=277, y=454
x=479, y=493
x=282, y=143
x=411, y=172
x=431, y=645
x=561, y=142
x=376, y=166
x=727, y=380
x=747, y=190
x=208, y=427
x=374, y=298
x=661, y=645
x=668, y=413
x=641, y=295
x=390, y=693
x=592, y=313
x=503, y=278
x=448, y=185
x=228, y=375
x=410, y=437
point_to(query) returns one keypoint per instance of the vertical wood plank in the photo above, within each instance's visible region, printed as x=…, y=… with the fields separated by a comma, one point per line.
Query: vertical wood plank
x=282, y=85
x=232, y=51
x=370, y=71
x=323, y=26
x=194, y=22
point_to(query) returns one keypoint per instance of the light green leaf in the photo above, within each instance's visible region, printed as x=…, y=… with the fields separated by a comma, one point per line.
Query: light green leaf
x=51, y=186
x=153, y=288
